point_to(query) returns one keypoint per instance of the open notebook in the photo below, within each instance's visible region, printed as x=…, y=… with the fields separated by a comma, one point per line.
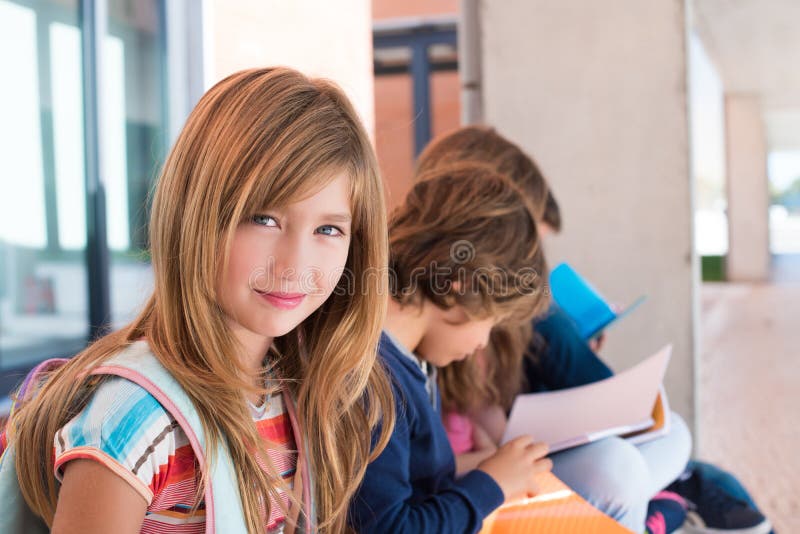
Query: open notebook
x=630, y=404
x=556, y=509
x=584, y=304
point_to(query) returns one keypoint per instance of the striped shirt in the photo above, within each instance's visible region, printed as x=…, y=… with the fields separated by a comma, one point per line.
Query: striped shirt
x=126, y=429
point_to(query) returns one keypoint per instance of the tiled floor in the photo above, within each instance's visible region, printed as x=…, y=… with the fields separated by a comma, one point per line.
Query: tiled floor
x=749, y=391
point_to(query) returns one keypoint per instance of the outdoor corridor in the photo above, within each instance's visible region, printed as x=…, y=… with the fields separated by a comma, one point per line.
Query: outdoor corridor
x=749, y=388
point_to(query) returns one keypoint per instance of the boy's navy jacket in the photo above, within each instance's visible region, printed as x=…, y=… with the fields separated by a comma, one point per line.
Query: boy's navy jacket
x=411, y=487
x=565, y=360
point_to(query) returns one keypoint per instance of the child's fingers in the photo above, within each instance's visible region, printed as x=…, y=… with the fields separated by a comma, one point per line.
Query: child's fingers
x=481, y=437
x=597, y=343
x=538, y=450
x=520, y=442
x=544, y=465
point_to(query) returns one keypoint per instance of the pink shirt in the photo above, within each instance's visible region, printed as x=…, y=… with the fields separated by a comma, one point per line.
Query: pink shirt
x=459, y=432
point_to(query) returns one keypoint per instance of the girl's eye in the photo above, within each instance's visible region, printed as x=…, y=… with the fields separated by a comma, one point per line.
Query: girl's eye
x=265, y=220
x=330, y=230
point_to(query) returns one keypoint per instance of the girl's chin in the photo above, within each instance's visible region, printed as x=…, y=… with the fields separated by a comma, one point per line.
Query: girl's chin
x=280, y=331
x=273, y=329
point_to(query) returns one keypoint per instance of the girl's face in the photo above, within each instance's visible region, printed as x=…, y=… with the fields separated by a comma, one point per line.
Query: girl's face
x=284, y=263
x=452, y=335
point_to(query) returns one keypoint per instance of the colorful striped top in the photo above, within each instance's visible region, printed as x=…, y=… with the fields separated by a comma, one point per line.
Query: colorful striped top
x=125, y=428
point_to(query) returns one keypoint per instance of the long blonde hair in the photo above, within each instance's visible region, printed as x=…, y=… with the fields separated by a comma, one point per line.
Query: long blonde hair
x=261, y=137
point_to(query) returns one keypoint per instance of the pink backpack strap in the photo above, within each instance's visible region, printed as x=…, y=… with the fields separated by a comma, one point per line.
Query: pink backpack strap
x=223, y=502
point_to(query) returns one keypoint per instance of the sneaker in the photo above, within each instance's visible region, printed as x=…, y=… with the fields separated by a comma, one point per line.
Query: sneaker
x=713, y=511
x=666, y=513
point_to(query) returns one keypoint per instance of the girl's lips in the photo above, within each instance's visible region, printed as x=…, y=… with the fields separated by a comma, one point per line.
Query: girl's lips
x=284, y=301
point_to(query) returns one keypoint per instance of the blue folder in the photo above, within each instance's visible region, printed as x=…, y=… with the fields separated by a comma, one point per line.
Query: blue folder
x=590, y=311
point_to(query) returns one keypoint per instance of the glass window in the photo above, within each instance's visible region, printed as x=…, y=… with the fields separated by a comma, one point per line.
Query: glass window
x=43, y=297
x=134, y=144
x=44, y=292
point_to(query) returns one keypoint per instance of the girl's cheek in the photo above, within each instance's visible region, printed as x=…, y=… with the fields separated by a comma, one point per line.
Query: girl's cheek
x=328, y=278
x=336, y=269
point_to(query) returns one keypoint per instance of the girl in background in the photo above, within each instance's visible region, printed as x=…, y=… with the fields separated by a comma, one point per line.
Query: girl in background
x=613, y=475
x=464, y=255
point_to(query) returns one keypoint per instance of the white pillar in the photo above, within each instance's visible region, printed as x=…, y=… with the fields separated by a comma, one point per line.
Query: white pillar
x=596, y=92
x=319, y=38
x=748, y=190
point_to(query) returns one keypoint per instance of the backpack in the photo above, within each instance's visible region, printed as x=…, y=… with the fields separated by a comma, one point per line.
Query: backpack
x=138, y=364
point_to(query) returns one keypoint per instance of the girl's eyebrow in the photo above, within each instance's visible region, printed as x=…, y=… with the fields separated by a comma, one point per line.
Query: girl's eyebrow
x=337, y=217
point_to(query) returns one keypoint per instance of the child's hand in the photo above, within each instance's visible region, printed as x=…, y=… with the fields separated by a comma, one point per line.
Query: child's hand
x=597, y=342
x=493, y=420
x=481, y=439
x=483, y=447
x=515, y=465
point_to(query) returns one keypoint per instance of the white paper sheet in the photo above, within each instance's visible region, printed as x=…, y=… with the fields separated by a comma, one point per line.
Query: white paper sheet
x=617, y=405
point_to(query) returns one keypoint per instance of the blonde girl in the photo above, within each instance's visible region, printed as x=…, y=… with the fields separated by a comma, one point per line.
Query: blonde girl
x=268, y=240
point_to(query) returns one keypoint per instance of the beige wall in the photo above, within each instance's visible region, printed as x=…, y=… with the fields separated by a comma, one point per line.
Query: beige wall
x=596, y=91
x=318, y=37
x=748, y=190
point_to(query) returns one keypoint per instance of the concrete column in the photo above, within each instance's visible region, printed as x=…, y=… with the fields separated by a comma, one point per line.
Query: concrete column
x=328, y=39
x=748, y=190
x=469, y=61
x=596, y=92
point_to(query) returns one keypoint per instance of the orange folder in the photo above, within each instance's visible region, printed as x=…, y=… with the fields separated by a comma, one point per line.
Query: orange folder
x=556, y=509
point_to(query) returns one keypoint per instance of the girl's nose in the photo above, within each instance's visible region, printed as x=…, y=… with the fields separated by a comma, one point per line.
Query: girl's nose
x=290, y=258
